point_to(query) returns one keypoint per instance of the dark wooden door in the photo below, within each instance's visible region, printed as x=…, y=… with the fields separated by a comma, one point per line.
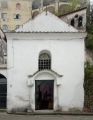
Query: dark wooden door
x=44, y=90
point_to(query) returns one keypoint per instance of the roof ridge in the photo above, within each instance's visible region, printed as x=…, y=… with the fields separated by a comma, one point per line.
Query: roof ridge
x=46, y=23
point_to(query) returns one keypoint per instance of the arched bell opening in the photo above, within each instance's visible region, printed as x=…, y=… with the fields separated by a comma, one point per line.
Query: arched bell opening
x=72, y=22
x=80, y=21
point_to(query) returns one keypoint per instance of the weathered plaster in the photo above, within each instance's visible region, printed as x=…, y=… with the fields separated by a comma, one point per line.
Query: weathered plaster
x=67, y=50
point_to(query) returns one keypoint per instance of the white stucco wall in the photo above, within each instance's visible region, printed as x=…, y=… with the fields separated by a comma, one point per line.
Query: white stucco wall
x=67, y=55
x=3, y=72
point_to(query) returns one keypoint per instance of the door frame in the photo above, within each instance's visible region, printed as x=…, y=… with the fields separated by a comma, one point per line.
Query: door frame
x=53, y=92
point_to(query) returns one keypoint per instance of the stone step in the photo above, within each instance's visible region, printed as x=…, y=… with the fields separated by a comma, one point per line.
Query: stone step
x=2, y=110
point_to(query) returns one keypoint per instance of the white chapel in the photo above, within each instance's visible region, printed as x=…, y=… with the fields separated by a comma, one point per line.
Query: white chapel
x=45, y=66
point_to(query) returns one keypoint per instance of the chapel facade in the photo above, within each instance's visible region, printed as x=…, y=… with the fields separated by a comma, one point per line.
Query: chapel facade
x=45, y=66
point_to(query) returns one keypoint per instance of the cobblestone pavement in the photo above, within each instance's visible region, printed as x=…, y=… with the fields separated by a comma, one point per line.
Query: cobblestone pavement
x=4, y=116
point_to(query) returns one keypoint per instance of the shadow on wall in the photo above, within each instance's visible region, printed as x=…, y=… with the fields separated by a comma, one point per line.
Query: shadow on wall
x=50, y=9
x=35, y=14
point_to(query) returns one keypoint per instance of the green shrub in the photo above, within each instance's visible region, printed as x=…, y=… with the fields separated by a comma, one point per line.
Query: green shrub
x=88, y=71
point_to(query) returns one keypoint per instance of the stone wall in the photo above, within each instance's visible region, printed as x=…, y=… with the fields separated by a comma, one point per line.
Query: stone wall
x=74, y=17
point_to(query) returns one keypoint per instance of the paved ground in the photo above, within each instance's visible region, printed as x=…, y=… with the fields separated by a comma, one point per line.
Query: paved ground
x=4, y=116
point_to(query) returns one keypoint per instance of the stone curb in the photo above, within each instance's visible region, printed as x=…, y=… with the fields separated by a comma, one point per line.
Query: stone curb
x=3, y=111
x=81, y=114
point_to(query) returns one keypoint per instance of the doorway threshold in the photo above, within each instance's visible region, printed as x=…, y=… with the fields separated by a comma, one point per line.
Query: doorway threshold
x=44, y=111
x=2, y=110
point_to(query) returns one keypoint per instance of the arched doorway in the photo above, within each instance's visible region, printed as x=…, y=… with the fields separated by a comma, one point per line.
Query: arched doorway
x=43, y=90
x=3, y=91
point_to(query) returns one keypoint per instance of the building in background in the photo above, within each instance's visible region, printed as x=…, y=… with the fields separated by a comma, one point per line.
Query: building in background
x=16, y=12
x=77, y=18
x=3, y=47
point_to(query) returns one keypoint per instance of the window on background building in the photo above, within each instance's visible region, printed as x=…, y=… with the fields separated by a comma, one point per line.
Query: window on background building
x=4, y=15
x=18, y=6
x=5, y=28
x=17, y=16
x=44, y=61
x=76, y=16
x=17, y=26
x=80, y=21
x=72, y=22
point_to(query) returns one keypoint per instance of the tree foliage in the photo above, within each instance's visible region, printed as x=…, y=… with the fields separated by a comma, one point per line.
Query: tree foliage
x=89, y=39
x=89, y=28
x=73, y=5
x=88, y=71
x=88, y=87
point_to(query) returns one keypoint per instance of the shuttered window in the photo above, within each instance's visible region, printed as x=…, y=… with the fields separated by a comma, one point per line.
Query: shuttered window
x=4, y=15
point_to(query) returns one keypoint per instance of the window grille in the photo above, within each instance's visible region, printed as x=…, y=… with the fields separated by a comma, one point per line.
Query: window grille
x=44, y=61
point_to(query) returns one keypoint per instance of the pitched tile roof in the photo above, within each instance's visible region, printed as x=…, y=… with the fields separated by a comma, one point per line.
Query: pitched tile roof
x=46, y=23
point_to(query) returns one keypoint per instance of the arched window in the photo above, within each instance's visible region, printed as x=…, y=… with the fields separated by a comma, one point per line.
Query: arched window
x=44, y=61
x=76, y=16
x=5, y=28
x=18, y=5
x=80, y=21
x=72, y=22
x=17, y=16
